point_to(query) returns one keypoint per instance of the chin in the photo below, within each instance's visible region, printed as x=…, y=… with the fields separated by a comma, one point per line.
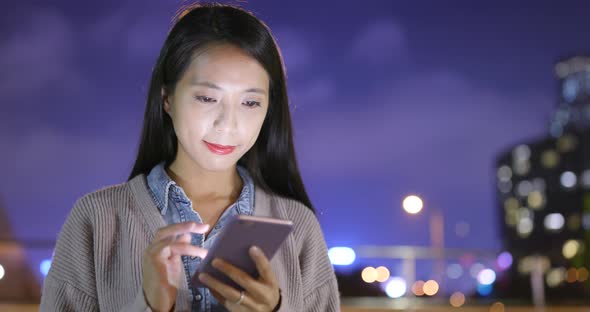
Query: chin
x=216, y=163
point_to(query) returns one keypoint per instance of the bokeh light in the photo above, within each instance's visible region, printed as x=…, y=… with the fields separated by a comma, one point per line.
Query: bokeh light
x=382, y=274
x=568, y=179
x=582, y=274
x=462, y=229
x=539, y=185
x=570, y=248
x=536, y=200
x=522, y=167
x=554, y=221
x=521, y=152
x=457, y=299
x=526, y=264
x=341, y=255
x=1, y=271
x=413, y=204
x=511, y=203
x=585, y=178
x=484, y=290
x=418, y=288
x=550, y=159
x=504, y=260
x=486, y=277
x=524, y=227
x=430, y=288
x=505, y=186
x=497, y=307
x=555, y=277
x=369, y=275
x=567, y=143
x=396, y=287
x=524, y=188
x=454, y=271
x=504, y=173
x=586, y=221
x=475, y=269
x=571, y=276
x=44, y=267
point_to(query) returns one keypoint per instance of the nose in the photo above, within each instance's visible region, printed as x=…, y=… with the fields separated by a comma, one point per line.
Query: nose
x=226, y=121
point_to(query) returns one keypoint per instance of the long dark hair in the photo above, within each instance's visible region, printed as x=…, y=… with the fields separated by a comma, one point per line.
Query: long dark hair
x=271, y=161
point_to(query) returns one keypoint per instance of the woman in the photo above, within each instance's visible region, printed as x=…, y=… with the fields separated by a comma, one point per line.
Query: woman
x=216, y=142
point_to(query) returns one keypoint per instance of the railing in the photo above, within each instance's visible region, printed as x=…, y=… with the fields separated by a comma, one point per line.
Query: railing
x=410, y=254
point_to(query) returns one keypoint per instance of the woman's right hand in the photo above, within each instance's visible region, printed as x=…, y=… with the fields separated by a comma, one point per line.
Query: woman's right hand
x=162, y=265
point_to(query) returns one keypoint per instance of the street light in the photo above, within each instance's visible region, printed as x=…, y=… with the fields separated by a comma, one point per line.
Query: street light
x=413, y=204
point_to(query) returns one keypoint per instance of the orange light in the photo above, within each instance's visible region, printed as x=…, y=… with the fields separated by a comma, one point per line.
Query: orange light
x=369, y=275
x=382, y=274
x=457, y=299
x=430, y=288
x=418, y=288
x=582, y=274
x=497, y=307
x=571, y=276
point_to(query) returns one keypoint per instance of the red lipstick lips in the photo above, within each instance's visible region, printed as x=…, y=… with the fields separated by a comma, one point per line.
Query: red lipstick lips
x=220, y=149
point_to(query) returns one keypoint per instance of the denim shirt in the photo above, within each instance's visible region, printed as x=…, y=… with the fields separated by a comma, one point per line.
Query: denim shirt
x=176, y=207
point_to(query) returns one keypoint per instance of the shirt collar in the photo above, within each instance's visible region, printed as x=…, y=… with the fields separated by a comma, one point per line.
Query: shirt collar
x=164, y=189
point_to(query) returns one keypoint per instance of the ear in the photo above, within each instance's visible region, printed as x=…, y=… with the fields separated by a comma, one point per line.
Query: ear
x=165, y=100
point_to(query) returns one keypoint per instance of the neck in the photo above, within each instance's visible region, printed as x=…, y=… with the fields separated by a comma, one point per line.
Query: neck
x=204, y=185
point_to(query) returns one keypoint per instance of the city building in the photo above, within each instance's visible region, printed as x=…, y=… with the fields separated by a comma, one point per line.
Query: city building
x=543, y=196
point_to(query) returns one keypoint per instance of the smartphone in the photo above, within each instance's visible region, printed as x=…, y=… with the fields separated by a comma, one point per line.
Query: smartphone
x=234, y=242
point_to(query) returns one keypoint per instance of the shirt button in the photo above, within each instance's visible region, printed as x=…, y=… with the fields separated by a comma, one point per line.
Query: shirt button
x=198, y=297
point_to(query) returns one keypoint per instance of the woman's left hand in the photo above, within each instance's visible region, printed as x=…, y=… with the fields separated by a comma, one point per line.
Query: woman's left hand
x=260, y=294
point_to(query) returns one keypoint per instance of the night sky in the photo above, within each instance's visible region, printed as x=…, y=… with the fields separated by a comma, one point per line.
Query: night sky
x=389, y=98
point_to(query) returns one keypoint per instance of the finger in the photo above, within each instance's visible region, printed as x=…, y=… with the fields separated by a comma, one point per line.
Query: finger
x=158, y=249
x=217, y=296
x=181, y=228
x=184, y=249
x=263, y=265
x=184, y=238
x=229, y=294
x=166, y=248
x=252, y=286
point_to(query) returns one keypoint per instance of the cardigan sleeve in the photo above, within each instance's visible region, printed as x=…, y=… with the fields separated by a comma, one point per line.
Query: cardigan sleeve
x=323, y=298
x=318, y=277
x=70, y=284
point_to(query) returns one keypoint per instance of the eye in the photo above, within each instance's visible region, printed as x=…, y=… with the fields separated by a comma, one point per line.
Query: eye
x=251, y=104
x=204, y=99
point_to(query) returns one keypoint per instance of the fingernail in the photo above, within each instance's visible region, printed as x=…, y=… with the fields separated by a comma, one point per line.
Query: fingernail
x=216, y=263
x=255, y=250
x=202, y=277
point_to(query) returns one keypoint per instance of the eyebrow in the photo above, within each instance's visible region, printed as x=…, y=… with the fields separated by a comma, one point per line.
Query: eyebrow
x=214, y=86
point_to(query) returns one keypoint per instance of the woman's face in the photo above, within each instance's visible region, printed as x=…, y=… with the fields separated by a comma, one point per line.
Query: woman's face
x=218, y=107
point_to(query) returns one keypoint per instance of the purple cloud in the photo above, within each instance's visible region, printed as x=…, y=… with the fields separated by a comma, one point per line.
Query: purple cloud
x=294, y=47
x=380, y=42
x=406, y=122
x=48, y=169
x=36, y=57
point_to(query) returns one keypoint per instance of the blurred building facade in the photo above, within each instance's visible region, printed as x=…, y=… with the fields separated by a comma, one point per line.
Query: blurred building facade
x=543, y=195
